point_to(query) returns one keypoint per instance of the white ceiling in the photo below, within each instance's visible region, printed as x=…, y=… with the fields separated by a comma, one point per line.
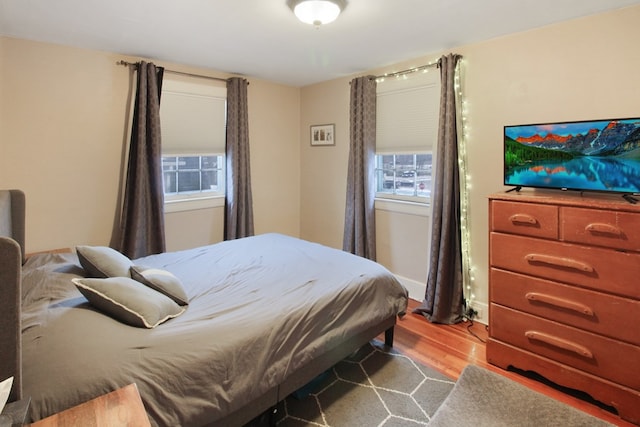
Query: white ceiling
x=263, y=39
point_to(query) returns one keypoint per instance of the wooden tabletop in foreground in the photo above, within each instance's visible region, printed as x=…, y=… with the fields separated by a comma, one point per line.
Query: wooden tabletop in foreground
x=122, y=407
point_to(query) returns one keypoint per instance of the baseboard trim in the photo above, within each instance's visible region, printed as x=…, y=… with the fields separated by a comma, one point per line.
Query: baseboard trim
x=416, y=289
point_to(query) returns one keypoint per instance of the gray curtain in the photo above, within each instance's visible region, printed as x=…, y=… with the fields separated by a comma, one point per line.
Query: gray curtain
x=141, y=230
x=443, y=301
x=359, y=221
x=239, y=204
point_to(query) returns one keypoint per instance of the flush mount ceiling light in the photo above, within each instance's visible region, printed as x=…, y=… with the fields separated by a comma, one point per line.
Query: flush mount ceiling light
x=317, y=12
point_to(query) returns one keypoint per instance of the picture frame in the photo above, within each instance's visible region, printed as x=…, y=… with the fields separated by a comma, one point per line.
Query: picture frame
x=323, y=135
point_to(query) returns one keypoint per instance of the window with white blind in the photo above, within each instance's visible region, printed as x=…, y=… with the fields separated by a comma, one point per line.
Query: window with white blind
x=193, y=126
x=406, y=131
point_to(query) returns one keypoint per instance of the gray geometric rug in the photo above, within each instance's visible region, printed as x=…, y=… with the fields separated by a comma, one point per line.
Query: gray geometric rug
x=375, y=386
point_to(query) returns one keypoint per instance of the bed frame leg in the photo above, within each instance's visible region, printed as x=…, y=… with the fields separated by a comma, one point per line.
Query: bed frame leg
x=273, y=411
x=388, y=337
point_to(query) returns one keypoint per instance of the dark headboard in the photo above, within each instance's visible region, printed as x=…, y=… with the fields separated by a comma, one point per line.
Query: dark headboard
x=12, y=234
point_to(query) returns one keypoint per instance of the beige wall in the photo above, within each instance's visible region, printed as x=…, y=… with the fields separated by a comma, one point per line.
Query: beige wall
x=62, y=130
x=402, y=245
x=62, y=133
x=274, y=117
x=324, y=168
x=193, y=228
x=581, y=69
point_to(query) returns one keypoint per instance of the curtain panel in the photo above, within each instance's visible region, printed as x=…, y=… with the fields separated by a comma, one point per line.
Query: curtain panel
x=141, y=230
x=443, y=301
x=359, y=223
x=239, y=202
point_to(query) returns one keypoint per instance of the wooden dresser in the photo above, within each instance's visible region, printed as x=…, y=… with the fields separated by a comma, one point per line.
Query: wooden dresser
x=564, y=290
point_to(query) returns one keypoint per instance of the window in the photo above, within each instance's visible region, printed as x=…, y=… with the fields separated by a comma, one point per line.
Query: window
x=407, y=110
x=193, y=121
x=403, y=175
x=201, y=175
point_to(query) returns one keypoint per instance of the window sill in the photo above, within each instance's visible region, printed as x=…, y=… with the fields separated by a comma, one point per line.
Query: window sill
x=193, y=204
x=403, y=206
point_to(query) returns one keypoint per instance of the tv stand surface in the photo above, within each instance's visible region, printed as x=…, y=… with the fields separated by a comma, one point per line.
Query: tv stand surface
x=517, y=189
x=563, y=292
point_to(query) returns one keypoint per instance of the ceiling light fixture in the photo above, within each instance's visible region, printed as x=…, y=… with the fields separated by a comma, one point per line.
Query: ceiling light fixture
x=317, y=12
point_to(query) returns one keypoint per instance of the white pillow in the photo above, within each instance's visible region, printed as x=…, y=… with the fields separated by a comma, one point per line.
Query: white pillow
x=129, y=301
x=161, y=281
x=102, y=261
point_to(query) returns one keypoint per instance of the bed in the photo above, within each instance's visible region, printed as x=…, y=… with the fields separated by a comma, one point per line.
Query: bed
x=265, y=316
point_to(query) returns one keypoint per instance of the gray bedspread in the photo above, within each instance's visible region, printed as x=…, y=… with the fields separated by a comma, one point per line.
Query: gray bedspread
x=259, y=308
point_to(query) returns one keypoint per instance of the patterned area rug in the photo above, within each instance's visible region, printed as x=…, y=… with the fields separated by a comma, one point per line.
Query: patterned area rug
x=375, y=386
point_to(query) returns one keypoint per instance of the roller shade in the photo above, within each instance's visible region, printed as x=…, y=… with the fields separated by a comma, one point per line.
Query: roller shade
x=407, y=113
x=193, y=116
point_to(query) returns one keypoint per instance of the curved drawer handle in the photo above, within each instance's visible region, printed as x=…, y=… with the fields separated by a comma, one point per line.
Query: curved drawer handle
x=560, y=302
x=560, y=343
x=523, y=219
x=598, y=227
x=559, y=262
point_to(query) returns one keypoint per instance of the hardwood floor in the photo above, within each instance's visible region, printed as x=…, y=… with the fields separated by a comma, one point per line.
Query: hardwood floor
x=449, y=348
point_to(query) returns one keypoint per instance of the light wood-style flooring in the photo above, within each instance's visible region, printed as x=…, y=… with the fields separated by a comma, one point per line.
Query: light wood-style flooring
x=449, y=348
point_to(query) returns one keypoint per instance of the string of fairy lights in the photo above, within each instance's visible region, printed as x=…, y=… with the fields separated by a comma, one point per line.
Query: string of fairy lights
x=468, y=277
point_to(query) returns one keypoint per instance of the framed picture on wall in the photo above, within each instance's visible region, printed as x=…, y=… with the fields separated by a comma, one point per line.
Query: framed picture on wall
x=323, y=135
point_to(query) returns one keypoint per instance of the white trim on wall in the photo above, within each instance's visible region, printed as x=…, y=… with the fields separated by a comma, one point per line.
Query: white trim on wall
x=416, y=289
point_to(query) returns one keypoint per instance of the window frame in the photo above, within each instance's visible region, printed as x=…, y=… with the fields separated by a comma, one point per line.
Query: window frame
x=198, y=199
x=393, y=196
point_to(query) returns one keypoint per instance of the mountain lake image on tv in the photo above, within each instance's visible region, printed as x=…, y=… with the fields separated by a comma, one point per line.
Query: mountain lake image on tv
x=597, y=155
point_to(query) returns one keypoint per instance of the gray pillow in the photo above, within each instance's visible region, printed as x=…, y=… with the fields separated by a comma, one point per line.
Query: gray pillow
x=161, y=281
x=102, y=261
x=128, y=301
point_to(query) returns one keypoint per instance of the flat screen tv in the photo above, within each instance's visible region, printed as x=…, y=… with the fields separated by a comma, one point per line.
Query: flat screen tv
x=596, y=155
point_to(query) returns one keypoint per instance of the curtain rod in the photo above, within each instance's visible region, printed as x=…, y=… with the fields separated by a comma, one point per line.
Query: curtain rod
x=408, y=71
x=182, y=73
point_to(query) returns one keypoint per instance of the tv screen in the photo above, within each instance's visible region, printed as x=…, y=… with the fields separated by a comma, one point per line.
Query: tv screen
x=596, y=155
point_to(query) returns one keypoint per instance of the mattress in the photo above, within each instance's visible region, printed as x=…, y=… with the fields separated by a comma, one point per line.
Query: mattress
x=260, y=308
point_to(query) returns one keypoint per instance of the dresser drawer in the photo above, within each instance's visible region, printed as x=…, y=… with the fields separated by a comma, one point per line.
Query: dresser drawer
x=589, y=310
x=623, y=399
x=618, y=230
x=596, y=268
x=601, y=356
x=525, y=219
